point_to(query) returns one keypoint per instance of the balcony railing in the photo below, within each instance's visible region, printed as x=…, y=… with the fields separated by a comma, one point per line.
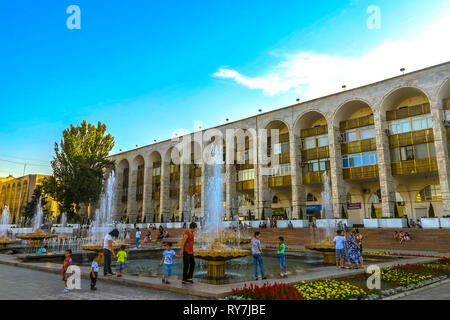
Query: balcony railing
x=359, y=146
x=410, y=138
x=282, y=181
x=156, y=179
x=408, y=112
x=414, y=166
x=356, y=123
x=245, y=166
x=156, y=194
x=447, y=129
x=195, y=189
x=314, y=131
x=284, y=137
x=446, y=103
x=315, y=153
x=314, y=177
x=245, y=185
x=174, y=176
x=195, y=172
x=284, y=158
x=370, y=171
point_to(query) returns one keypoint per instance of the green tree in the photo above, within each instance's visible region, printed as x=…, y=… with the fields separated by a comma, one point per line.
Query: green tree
x=396, y=214
x=31, y=206
x=301, y=214
x=78, y=167
x=182, y=216
x=343, y=213
x=373, y=213
x=431, y=211
x=173, y=217
x=154, y=218
x=263, y=217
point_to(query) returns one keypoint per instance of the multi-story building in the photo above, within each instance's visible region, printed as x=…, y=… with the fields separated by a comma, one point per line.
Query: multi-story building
x=384, y=144
x=17, y=192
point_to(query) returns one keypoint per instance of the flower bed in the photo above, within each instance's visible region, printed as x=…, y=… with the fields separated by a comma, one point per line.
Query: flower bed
x=402, y=277
x=275, y=291
x=329, y=289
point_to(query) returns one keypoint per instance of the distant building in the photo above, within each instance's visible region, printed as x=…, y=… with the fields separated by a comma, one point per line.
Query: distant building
x=17, y=192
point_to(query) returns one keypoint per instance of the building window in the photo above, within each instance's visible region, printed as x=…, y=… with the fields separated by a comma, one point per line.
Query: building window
x=424, y=121
x=429, y=193
x=315, y=142
x=360, y=159
x=317, y=165
x=248, y=174
x=156, y=171
x=418, y=151
x=283, y=170
x=310, y=197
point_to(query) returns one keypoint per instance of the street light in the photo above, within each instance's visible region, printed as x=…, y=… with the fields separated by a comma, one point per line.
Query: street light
x=344, y=86
x=402, y=70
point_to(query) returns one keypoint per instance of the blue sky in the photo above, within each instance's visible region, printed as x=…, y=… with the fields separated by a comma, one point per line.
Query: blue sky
x=146, y=68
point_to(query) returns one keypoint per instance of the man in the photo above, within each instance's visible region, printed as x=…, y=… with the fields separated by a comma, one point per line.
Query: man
x=257, y=255
x=339, y=241
x=187, y=253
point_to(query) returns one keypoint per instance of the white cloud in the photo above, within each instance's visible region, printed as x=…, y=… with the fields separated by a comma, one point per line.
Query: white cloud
x=312, y=75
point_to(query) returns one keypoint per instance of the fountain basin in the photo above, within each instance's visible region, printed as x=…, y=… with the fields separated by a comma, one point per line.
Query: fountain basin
x=36, y=237
x=327, y=250
x=5, y=242
x=215, y=262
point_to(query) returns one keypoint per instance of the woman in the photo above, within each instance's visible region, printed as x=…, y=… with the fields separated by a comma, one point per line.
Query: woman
x=108, y=251
x=161, y=233
x=354, y=255
x=359, y=239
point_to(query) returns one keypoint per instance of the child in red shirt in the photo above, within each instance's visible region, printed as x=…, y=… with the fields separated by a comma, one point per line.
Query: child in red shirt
x=66, y=264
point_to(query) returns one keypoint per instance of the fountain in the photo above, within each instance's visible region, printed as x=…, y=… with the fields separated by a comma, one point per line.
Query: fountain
x=63, y=219
x=37, y=237
x=4, y=224
x=103, y=222
x=216, y=253
x=326, y=246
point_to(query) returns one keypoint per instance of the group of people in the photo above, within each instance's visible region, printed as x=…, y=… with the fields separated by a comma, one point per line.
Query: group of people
x=186, y=253
x=258, y=258
x=402, y=236
x=348, y=246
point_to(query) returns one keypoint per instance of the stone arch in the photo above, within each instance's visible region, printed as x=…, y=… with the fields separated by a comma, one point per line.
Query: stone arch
x=348, y=109
x=308, y=118
x=398, y=95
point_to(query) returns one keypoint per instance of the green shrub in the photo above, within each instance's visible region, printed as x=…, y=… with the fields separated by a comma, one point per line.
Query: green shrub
x=431, y=211
x=373, y=213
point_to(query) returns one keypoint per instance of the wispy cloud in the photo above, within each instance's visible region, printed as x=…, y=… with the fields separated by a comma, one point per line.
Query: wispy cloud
x=313, y=75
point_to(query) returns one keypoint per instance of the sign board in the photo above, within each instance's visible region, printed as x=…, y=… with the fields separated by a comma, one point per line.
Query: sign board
x=314, y=207
x=352, y=206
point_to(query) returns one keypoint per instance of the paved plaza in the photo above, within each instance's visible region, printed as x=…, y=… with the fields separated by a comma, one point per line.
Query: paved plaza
x=20, y=283
x=441, y=292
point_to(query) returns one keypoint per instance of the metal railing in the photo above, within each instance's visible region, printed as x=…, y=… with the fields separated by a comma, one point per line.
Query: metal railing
x=314, y=131
x=359, y=146
x=315, y=153
x=245, y=185
x=356, y=123
x=407, y=112
x=282, y=181
x=362, y=172
x=414, y=166
x=314, y=177
x=411, y=137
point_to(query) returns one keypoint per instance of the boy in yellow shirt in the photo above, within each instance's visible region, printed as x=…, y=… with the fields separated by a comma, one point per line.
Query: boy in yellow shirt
x=121, y=257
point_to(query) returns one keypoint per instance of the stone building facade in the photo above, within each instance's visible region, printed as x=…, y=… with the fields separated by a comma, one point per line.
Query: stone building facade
x=383, y=145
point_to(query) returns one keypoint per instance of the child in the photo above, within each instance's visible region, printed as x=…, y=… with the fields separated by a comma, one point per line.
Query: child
x=66, y=264
x=94, y=272
x=138, y=237
x=339, y=240
x=282, y=257
x=168, y=262
x=121, y=257
x=257, y=255
x=42, y=251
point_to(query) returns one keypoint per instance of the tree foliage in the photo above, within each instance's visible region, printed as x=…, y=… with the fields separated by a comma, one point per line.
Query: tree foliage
x=373, y=213
x=431, y=211
x=78, y=166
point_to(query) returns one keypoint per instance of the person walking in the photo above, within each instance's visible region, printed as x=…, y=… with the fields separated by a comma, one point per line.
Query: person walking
x=121, y=257
x=257, y=255
x=187, y=253
x=108, y=251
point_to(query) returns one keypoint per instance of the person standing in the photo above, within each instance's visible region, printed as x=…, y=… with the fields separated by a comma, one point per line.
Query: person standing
x=354, y=256
x=138, y=237
x=66, y=264
x=187, y=252
x=282, y=257
x=340, y=249
x=257, y=255
x=108, y=251
x=94, y=272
